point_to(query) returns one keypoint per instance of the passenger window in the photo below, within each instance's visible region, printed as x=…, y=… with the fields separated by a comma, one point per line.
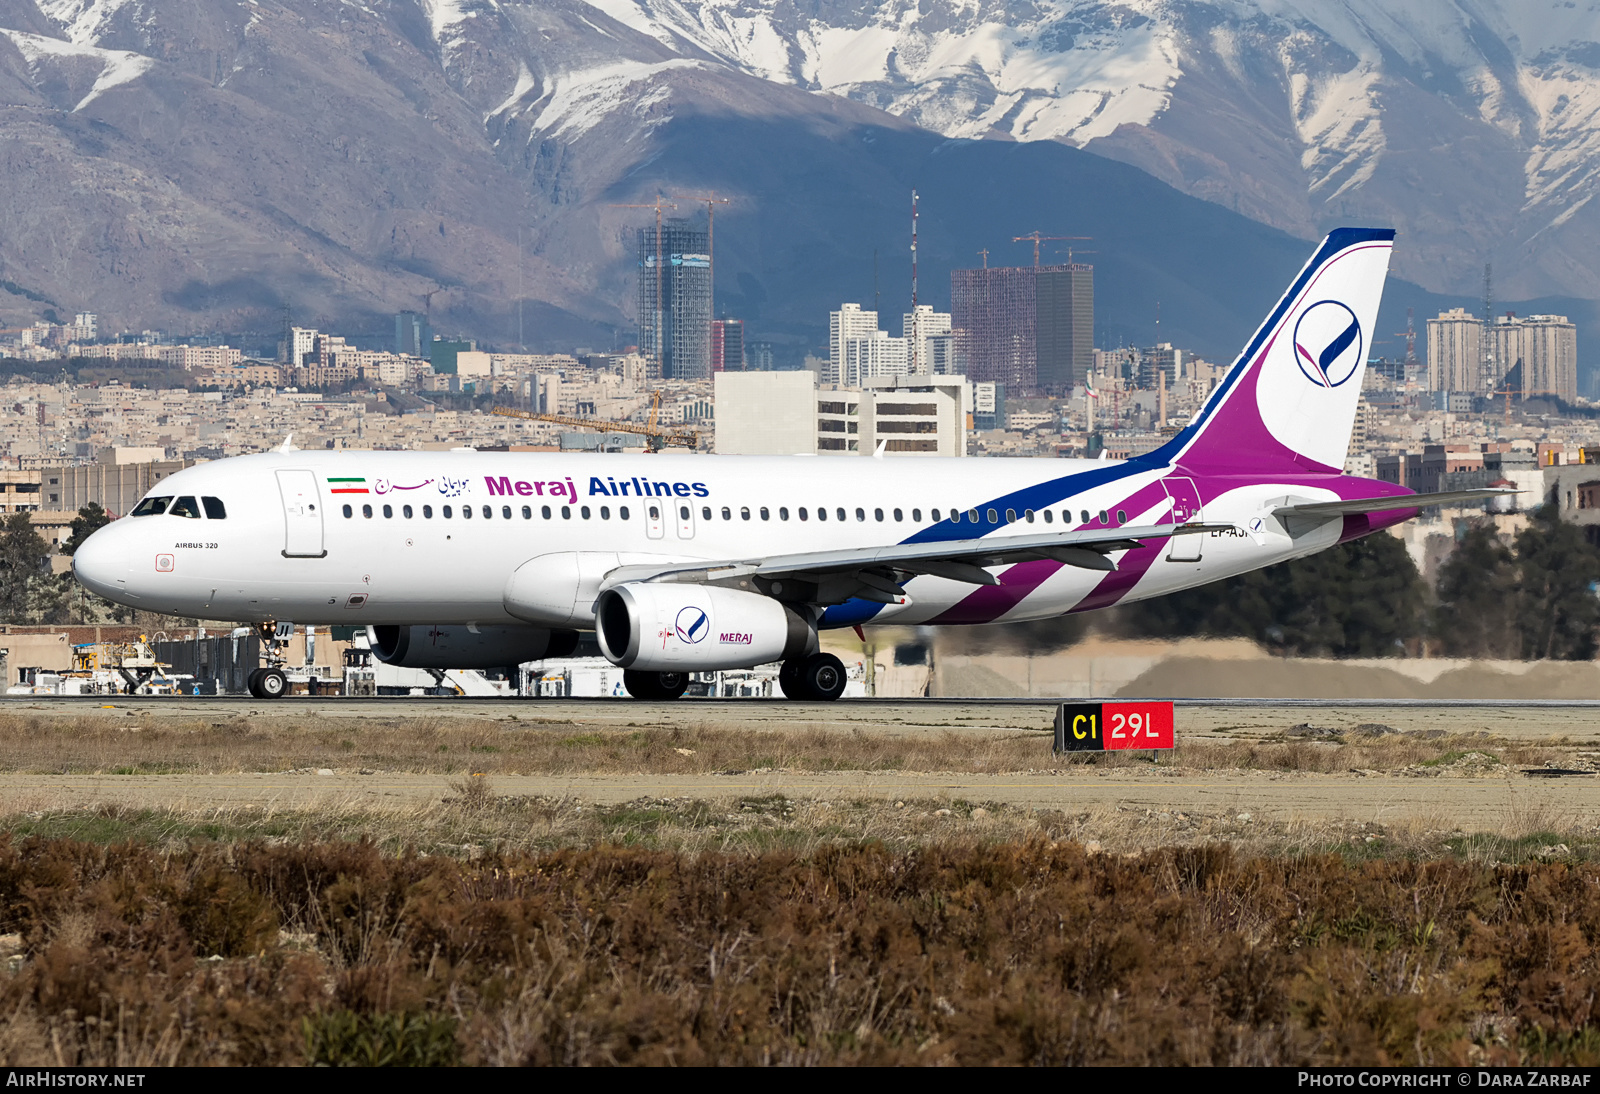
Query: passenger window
x=215, y=510
x=605, y=512
x=151, y=507
x=622, y=512
x=683, y=512
x=994, y=518
x=444, y=511
x=840, y=513
x=466, y=512
x=185, y=507
x=934, y=513
x=1011, y=516
x=955, y=516
x=527, y=512
x=655, y=512
x=566, y=512
x=766, y=514
x=405, y=511
x=822, y=514
x=1048, y=518
x=972, y=515
x=727, y=514
x=898, y=515
x=427, y=512
x=544, y=511
x=366, y=511
x=584, y=512
x=488, y=512
x=1122, y=517
x=505, y=511
x=783, y=512
x=705, y=513
x=1104, y=519
x=744, y=513
x=1085, y=515
x=388, y=512
x=877, y=514
x=349, y=512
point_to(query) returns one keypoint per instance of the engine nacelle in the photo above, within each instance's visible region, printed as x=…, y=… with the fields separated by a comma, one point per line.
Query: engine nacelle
x=458, y=647
x=695, y=628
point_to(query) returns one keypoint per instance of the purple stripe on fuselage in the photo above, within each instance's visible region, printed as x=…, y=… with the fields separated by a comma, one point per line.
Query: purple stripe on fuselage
x=990, y=602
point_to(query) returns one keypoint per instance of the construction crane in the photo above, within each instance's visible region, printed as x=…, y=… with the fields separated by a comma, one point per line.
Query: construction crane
x=1037, y=239
x=656, y=437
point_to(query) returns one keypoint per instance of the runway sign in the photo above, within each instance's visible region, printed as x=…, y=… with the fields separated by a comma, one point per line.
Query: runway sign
x=1105, y=727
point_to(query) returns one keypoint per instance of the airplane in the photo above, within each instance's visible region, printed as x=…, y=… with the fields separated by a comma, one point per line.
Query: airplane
x=464, y=560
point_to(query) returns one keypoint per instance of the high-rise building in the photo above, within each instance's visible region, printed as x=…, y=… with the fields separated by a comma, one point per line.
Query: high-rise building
x=1065, y=327
x=1028, y=327
x=919, y=327
x=943, y=360
x=1455, y=352
x=675, y=301
x=870, y=358
x=727, y=345
x=1546, y=348
x=850, y=321
x=1158, y=362
x=302, y=343
x=411, y=334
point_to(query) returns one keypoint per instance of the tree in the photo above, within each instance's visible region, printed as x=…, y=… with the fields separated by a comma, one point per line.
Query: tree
x=1557, y=571
x=1363, y=598
x=24, y=565
x=1479, y=601
x=91, y=517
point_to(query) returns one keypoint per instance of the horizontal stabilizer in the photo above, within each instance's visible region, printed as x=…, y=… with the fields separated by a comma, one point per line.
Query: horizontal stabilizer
x=1389, y=504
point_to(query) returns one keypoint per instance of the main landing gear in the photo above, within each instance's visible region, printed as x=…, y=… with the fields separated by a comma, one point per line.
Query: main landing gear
x=818, y=677
x=655, y=685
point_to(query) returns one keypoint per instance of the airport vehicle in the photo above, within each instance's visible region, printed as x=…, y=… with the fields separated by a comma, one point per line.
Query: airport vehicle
x=461, y=559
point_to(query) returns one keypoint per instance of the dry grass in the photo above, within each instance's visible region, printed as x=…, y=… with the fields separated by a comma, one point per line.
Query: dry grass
x=1031, y=952
x=144, y=744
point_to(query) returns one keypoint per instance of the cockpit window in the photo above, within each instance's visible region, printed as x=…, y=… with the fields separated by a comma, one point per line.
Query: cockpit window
x=214, y=508
x=185, y=507
x=151, y=507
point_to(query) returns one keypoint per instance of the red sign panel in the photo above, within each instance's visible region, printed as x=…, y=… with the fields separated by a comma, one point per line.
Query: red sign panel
x=1104, y=727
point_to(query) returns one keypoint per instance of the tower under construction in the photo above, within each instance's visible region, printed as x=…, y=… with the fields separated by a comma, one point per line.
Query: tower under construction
x=675, y=301
x=1028, y=327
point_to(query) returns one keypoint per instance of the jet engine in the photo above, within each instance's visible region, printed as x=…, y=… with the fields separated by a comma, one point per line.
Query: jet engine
x=458, y=647
x=696, y=628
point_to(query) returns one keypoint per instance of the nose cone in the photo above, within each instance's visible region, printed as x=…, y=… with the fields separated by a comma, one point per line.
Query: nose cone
x=100, y=566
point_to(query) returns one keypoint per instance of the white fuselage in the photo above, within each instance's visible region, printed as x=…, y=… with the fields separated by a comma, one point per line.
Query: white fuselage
x=287, y=550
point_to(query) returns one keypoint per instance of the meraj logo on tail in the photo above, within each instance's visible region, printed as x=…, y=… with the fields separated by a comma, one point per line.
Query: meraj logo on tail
x=1327, y=340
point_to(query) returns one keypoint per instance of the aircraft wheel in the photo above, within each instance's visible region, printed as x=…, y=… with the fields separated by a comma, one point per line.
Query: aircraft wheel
x=789, y=679
x=273, y=684
x=252, y=683
x=822, y=676
x=655, y=685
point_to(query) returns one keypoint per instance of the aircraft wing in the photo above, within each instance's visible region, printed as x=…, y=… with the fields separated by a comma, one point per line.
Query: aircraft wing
x=1388, y=504
x=876, y=573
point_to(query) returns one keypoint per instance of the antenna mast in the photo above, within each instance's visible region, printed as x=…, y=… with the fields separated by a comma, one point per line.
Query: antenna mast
x=913, y=250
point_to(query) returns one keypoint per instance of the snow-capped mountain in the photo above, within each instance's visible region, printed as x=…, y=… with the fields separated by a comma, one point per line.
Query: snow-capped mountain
x=1472, y=124
x=172, y=158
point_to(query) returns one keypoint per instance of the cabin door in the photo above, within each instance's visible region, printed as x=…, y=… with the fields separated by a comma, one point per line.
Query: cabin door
x=302, y=515
x=1185, y=510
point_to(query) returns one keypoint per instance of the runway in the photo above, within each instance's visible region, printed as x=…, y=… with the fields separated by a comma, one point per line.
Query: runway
x=1575, y=720
x=61, y=754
